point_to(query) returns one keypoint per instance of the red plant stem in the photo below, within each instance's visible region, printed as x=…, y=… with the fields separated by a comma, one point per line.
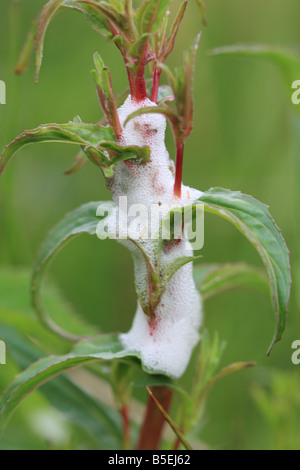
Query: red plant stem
x=137, y=79
x=137, y=83
x=152, y=428
x=126, y=427
x=155, y=86
x=178, y=172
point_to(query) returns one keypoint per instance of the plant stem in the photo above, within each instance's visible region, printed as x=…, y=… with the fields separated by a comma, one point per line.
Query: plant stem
x=155, y=87
x=169, y=420
x=137, y=83
x=126, y=427
x=154, y=421
x=179, y=164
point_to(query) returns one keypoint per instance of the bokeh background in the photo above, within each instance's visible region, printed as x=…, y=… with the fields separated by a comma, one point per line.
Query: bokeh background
x=244, y=139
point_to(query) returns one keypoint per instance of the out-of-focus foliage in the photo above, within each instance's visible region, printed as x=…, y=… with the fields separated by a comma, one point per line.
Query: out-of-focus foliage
x=78, y=417
x=279, y=404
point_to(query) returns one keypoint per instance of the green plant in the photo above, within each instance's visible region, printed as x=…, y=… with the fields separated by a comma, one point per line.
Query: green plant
x=128, y=147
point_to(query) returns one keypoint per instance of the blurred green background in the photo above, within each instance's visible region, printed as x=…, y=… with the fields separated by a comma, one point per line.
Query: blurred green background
x=243, y=139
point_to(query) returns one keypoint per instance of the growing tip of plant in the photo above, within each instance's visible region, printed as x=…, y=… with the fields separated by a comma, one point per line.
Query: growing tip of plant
x=99, y=64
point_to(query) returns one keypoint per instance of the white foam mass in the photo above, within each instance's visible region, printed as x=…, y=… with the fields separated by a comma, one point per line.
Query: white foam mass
x=166, y=344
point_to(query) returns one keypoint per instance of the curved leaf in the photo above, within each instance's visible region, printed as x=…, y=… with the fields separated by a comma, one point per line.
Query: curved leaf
x=47, y=14
x=159, y=109
x=93, y=16
x=202, y=7
x=253, y=219
x=81, y=220
x=105, y=348
x=94, y=139
x=16, y=299
x=36, y=36
x=87, y=135
x=28, y=48
x=235, y=367
x=213, y=279
x=119, y=153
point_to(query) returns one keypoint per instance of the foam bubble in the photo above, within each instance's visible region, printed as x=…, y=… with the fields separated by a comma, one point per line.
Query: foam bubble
x=166, y=344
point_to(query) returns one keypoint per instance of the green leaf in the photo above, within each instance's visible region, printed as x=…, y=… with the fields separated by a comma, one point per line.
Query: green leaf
x=28, y=48
x=202, y=7
x=136, y=50
x=87, y=135
x=92, y=15
x=228, y=370
x=183, y=90
x=150, y=15
x=205, y=376
x=81, y=220
x=107, y=100
x=172, y=268
x=174, y=30
x=253, y=219
x=213, y=279
x=151, y=281
x=209, y=357
x=94, y=140
x=15, y=298
x=159, y=109
x=37, y=33
x=118, y=5
x=110, y=13
x=119, y=153
x=120, y=378
x=48, y=13
x=145, y=275
x=100, y=348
